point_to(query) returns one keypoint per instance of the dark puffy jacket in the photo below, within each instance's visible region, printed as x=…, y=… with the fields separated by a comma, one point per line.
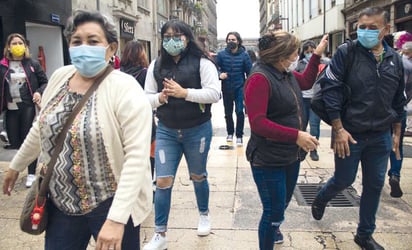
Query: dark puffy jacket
x=179, y=113
x=284, y=107
x=376, y=99
x=236, y=65
x=36, y=81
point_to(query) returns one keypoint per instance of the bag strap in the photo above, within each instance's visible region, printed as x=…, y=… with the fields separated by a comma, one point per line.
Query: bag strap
x=44, y=186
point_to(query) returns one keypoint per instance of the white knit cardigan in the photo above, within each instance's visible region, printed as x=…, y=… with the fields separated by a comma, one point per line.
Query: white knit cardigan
x=125, y=117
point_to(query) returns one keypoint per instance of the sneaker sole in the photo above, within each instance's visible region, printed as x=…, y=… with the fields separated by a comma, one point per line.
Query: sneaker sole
x=279, y=242
x=202, y=234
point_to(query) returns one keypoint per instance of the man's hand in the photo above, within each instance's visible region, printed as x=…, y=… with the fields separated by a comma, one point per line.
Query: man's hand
x=396, y=138
x=341, y=143
x=223, y=76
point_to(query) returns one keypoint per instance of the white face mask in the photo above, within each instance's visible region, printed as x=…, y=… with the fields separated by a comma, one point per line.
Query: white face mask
x=293, y=65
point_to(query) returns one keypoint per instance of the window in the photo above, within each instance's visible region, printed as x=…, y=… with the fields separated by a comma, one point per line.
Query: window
x=143, y=3
x=162, y=7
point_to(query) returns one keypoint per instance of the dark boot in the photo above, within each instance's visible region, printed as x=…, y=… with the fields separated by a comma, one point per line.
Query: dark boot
x=318, y=208
x=314, y=155
x=368, y=243
x=396, y=190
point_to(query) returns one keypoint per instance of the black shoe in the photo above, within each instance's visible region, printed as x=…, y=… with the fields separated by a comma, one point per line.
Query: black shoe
x=368, y=243
x=318, y=209
x=314, y=155
x=396, y=190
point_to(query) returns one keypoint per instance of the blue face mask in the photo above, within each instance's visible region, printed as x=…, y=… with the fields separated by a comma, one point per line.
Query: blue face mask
x=88, y=60
x=308, y=56
x=173, y=46
x=368, y=38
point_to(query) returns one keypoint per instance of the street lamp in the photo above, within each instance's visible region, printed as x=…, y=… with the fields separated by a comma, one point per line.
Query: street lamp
x=285, y=18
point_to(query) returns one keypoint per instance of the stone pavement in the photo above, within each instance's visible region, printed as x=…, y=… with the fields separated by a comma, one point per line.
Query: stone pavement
x=235, y=207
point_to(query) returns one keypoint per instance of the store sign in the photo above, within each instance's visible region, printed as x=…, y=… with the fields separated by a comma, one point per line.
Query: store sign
x=54, y=18
x=127, y=28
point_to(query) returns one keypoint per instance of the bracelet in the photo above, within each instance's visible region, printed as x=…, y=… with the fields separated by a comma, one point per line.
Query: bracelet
x=339, y=130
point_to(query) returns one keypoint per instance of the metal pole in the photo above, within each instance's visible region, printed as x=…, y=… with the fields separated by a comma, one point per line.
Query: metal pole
x=324, y=16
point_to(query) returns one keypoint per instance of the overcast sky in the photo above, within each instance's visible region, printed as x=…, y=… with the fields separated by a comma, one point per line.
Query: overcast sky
x=241, y=16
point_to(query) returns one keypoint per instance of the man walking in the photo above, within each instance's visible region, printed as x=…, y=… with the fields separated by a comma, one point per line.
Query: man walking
x=362, y=118
x=234, y=66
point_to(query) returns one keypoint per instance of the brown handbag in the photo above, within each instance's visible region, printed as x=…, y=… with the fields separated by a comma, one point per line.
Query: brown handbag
x=34, y=216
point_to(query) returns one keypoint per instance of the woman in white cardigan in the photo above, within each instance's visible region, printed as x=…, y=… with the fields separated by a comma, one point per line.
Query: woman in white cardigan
x=101, y=183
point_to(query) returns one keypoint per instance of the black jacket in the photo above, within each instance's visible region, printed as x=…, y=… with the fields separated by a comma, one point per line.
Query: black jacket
x=376, y=99
x=285, y=107
x=36, y=81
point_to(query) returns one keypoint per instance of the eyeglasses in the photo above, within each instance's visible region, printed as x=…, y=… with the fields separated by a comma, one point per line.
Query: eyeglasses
x=176, y=37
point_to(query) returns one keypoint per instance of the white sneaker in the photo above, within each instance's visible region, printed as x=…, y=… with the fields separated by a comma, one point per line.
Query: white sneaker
x=203, y=228
x=30, y=179
x=239, y=142
x=229, y=138
x=4, y=137
x=158, y=242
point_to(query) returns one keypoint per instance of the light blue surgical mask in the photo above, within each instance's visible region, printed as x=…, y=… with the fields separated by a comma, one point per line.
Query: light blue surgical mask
x=88, y=60
x=368, y=38
x=174, y=46
x=308, y=56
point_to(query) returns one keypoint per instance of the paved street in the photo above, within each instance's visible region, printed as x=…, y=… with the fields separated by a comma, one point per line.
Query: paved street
x=235, y=207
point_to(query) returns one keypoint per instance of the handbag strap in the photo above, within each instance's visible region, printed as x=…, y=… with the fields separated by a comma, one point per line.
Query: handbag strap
x=62, y=135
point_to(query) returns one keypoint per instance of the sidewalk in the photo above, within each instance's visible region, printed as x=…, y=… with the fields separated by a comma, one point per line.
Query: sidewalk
x=235, y=207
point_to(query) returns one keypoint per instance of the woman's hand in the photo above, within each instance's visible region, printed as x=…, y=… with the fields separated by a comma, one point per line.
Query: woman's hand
x=172, y=88
x=322, y=45
x=9, y=181
x=37, y=98
x=306, y=141
x=110, y=236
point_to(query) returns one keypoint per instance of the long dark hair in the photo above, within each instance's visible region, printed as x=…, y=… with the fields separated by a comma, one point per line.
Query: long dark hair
x=305, y=46
x=134, y=55
x=180, y=27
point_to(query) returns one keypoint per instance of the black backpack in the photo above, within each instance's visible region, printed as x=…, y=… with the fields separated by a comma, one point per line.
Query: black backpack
x=317, y=104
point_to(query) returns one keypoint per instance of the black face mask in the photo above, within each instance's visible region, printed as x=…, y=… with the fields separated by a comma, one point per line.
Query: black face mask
x=231, y=45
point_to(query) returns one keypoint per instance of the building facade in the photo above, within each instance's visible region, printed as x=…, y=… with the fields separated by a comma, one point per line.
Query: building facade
x=42, y=22
x=310, y=19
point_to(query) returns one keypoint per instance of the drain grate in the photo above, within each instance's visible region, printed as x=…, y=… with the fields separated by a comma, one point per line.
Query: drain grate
x=305, y=193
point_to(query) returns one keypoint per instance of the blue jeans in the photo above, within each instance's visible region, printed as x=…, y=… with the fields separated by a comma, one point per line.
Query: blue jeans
x=229, y=97
x=314, y=120
x=396, y=164
x=171, y=144
x=67, y=232
x=275, y=187
x=373, y=153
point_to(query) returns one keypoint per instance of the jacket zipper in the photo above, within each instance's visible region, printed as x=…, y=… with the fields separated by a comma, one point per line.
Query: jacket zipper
x=299, y=113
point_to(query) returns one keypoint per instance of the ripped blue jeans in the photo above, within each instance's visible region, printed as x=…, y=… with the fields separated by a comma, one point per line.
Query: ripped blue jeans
x=275, y=186
x=171, y=145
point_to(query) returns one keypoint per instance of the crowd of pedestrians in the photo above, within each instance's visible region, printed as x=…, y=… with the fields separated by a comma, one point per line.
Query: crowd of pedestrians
x=143, y=118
